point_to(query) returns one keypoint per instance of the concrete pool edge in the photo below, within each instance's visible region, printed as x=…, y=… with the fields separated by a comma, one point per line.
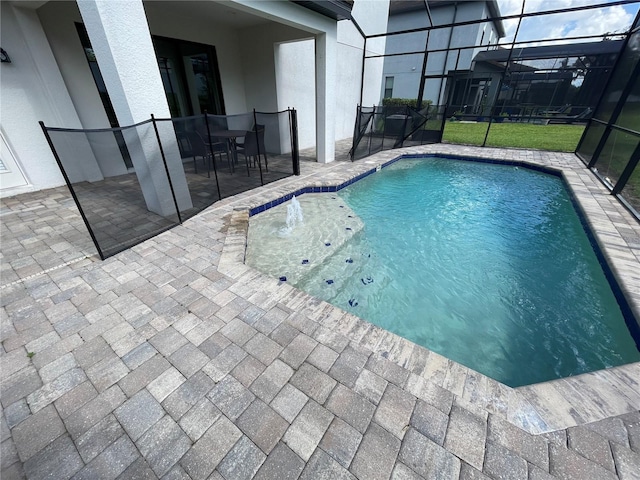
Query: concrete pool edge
x=536, y=408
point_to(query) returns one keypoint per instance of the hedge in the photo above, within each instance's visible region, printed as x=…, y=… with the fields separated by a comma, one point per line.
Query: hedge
x=401, y=102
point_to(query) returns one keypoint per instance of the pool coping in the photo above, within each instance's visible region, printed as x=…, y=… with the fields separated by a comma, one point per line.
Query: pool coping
x=537, y=408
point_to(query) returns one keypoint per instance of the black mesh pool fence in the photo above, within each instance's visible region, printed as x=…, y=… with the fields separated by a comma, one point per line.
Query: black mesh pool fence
x=131, y=183
x=387, y=127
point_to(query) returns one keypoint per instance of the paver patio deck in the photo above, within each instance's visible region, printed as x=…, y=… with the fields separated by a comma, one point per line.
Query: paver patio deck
x=175, y=360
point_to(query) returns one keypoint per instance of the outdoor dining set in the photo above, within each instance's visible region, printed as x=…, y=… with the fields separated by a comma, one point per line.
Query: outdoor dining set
x=209, y=146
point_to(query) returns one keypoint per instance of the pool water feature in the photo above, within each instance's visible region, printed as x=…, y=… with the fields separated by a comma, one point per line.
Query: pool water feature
x=293, y=250
x=294, y=217
x=486, y=264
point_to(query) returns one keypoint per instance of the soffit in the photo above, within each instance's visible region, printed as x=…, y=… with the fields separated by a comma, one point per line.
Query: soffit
x=336, y=9
x=218, y=13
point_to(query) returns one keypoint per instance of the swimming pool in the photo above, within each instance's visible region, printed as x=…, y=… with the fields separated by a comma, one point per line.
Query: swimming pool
x=486, y=264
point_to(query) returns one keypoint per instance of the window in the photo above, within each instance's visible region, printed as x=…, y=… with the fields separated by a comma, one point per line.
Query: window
x=388, y=87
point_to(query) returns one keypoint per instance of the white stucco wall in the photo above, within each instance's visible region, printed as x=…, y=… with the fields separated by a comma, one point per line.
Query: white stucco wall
x=296, y=63
x=278, y=64
x=258, y=57
x=323, y=30
x=19, y=118
x=371, y=16
x=34, y=90
x=296, y=85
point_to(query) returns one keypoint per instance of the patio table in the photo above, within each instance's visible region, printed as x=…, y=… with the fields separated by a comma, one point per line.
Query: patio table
x=231, y=136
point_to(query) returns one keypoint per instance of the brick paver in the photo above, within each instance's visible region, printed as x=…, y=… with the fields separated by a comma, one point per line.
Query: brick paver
x=376, y=455
x=427, y=458
x=341, y=442
x=172, y=359
x=262, y=425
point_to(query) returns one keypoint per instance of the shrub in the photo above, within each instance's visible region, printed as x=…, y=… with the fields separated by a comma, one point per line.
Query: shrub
x=402, y=102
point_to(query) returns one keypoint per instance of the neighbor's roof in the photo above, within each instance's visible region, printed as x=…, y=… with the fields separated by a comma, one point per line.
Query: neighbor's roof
x=551, y=51
x=403, y=6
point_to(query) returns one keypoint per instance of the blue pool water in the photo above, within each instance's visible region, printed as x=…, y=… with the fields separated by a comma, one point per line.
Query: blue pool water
x=485, y=264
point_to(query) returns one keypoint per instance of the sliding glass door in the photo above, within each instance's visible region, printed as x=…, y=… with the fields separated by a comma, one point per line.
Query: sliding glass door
x=189, y=74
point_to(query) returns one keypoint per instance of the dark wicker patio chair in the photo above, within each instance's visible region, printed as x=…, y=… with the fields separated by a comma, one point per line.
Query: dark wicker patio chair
x=253, y=146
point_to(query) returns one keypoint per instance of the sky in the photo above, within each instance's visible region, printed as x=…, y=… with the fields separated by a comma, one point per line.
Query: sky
x=613, y=19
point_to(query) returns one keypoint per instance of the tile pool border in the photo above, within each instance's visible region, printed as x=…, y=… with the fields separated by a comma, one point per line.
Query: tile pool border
x=336, y=188
x=535, y=408
x=324, y=189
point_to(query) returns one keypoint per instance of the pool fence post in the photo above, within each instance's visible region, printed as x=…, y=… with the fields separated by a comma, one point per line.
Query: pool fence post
x=213, y=157
x=293, y=115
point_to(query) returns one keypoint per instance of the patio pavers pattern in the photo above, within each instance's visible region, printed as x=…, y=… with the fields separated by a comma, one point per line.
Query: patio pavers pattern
x=175, y=360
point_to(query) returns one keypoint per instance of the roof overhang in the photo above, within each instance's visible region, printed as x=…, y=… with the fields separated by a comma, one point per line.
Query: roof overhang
x=494, y=12
x=404, y=6
x=336, y=9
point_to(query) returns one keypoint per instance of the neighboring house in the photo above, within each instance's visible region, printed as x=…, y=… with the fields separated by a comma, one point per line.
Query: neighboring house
x=464, y=67
x=403, y=73
x=540, y=78
x=102, y=63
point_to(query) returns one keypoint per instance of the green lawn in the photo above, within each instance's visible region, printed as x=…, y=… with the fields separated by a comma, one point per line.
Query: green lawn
x=559, y=138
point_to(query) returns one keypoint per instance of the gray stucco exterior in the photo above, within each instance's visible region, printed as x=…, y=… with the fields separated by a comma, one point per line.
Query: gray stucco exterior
x=406, y=69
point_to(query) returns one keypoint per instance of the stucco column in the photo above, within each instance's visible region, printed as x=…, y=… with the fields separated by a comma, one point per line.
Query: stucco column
x=121, y=41
x=326, y=70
